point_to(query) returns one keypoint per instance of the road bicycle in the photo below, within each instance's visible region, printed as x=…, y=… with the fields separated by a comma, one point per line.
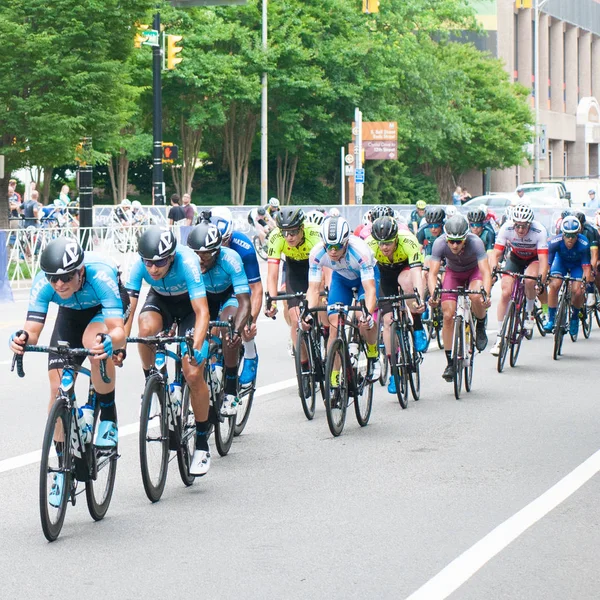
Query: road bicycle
x=513, y=327
x=311, y=346
x=68, y=453
x=383, y=357
x=167, y=421
x=463, y=338
x=563, y=312
x=352, y=370
x=405, y=361
x=435, y=323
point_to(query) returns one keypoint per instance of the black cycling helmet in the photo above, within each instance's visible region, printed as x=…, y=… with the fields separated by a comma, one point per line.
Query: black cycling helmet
x=61, y=255
x=289, y=217
x=476, y=215
x=156, y=243
x=434, y=214
x=580, y=216
x=261, y=211
x=384, y=229
x=456, y=227
x=565, y=213
x=381, y=211
x=205, y=237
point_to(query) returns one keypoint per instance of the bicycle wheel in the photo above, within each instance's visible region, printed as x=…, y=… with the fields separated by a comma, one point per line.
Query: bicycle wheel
x=396, y=362
x=539, y=318
x=458, y=356
x=516, y=335
x=55, y=471
x=470, y=344
x=597, y=308
x=246, y=397
x=505, y=335
x=336, y=396
x=154, y=438
x=363, y=394
x=224, y=431
x=438, y=319
x=383, y=358
x=305, y=374
x=559, y=328
x=585, y=314
x=261, y=249
x=99, y=489
x=412, y=362
x=186, y=423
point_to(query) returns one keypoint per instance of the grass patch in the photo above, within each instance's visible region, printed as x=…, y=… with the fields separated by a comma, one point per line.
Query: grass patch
x=24, y=268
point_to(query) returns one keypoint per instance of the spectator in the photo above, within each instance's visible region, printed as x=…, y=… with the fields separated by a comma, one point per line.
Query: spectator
x=176, y=213
x=14, y=206
x=457, y=196
x=13, y=183
x=188, y=209
x=64, y=195
x=466, y=196
x=520, y=192
x=30, y=210
x=592, y=202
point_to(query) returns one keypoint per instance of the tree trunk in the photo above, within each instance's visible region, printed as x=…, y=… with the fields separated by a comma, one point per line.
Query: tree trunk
x=240, y=130
x=5, y=212
x=286, y=173
x=446, y=183
x=122, y=170
x=113, y=182
x=46, y=187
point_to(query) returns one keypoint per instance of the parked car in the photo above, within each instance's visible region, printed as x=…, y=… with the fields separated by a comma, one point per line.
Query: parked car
x=497, y=203
x=547, y=193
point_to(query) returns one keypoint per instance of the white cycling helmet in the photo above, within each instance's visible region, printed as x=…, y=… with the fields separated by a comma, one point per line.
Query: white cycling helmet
x=136, y=204
x=522, y=213
x=316, y=217
x=335, y=230
x=484, y=208
x=366, y=220
x=125, y=202
x=221, y=216
x=451, y=211
x=274, y=202
x=334, y=212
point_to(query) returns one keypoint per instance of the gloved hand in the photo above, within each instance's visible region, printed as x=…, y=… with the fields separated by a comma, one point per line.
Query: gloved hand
x=107, y=345
x=200, y=355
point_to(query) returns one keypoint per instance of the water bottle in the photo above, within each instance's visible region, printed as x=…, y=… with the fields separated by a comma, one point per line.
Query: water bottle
x=175, y=393
x=353, y=351
x=85, y=418
x=216, y=373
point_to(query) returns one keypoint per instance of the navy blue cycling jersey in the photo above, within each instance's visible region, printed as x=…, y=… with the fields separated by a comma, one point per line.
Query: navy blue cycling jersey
x=100, y=288
x=184, y=276
x=243, y=246
x=579, y=254
x=227, y=271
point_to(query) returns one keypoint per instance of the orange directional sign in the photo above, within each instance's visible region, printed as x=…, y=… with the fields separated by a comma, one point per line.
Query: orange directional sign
x=378, y=131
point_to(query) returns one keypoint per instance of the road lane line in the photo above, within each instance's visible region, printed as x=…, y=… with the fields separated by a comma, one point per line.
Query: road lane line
x=10, y=464
x=451, y=577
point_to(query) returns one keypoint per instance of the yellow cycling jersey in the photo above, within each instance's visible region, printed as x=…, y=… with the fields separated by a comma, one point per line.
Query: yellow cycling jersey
x=407, y=251
x=278, y=244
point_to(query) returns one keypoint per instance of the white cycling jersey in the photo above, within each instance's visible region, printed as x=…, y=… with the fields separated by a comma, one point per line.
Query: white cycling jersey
x=357, y=262
x=534, y=242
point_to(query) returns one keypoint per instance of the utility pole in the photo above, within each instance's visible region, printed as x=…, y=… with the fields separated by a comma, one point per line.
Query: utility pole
x=158, y=185
x=264, y=120
x=86, y=189
x=359, y=174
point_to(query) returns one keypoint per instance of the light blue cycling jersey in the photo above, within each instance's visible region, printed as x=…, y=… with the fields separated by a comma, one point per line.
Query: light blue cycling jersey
x=184, y=276
x=100, y=288
x=228, y=271
x=357, y=262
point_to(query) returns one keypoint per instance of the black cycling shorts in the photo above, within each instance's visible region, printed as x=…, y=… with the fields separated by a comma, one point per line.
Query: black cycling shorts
x=172, y=308
x=69, y=327
x=217, y=302
x=296, y=279
x=388, y=285
x=518, y=265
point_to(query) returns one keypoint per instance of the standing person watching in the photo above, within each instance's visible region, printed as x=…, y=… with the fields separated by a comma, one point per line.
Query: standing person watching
x=176, y=214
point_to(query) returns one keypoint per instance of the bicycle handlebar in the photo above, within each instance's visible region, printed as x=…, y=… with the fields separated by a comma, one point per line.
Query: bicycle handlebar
x=397, y=297
x=461, y=292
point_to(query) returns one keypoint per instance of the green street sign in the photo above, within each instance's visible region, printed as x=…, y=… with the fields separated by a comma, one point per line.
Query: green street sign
x=150, y=37
x=189, y=3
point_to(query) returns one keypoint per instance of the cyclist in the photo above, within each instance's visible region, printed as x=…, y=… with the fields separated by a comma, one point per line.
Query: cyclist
x=353, y=266
x=241, y=243
x=272, y=208
x=568, y=253
x=316, y=217
x=416, y=216
x=293, y=239
x=592, y=236
x=228, y=295
x=123, y=212
x=466, y=265
x=526, y=242
x=263, y=224
x=363, y=230
x=399, y=260
x=478, y=226
x=176, y=293
x=431, y=230
x=87, y=290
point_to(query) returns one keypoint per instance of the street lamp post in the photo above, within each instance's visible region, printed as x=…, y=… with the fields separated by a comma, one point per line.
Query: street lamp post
x=264, y=122
x=536, y=75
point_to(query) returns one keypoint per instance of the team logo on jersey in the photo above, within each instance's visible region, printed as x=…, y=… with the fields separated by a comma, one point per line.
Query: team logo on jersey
x=165, y=243
x=71, y=255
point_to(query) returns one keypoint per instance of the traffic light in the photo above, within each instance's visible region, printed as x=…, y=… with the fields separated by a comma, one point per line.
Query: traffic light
x=170, y=152
x=370, y=6
x=173, y=50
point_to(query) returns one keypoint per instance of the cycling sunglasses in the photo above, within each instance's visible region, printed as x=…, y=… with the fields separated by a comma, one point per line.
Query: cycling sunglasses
x=475, y=224
x=290, y=232
x=521, y=225
x=435, y=225
x=156, y=263
x=570, y=236
x=329, y=247
x=454, y=242
x=65, y=277
x=386, y=242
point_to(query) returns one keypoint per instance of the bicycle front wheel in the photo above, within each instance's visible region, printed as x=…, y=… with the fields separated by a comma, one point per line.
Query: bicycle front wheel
x=458, y=353
x=412, y=362
x=363, y=395
x=260, y=249
x=383, y=358
x=470, y=358
x=154, y=438
x=55, y=471
x=505, y=335
x=517, y=336
x=586, y=321
x=336, y=391
x=397, y=364
x=246, y=396
x=99, y=489
x=539, y=318
x=305, y=374
x=187, y=444
x=559, y=328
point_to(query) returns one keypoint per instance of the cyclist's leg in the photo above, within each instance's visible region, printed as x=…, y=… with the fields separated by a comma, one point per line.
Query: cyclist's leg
x=577, y=290
x=532, y=270
x=406, y=280
x=230, y=354
x=154, y=317
x=557, y=268
x=451, y=280
x=339, y=291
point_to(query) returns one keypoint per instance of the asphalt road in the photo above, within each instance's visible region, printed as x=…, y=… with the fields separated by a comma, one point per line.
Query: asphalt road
x=406, y=502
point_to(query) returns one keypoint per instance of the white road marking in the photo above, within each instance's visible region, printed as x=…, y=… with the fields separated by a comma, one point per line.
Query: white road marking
x=10, y=464
x=449, y=579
